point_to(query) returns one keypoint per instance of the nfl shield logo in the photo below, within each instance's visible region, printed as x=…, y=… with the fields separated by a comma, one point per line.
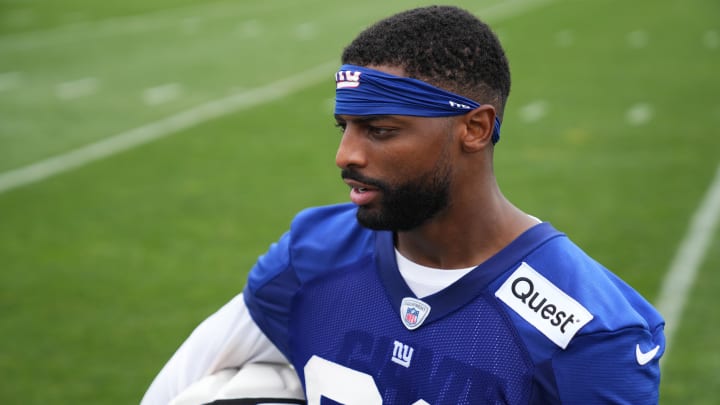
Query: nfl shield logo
x=413, y=312
x=411, y=316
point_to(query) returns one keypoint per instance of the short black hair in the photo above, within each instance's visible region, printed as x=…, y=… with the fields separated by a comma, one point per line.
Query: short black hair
x=443, y=45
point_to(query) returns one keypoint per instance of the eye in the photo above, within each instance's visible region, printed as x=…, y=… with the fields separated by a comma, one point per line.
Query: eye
x=380, y=132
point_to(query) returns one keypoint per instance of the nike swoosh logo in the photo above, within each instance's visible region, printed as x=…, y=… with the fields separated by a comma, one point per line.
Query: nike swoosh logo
x=644, y=358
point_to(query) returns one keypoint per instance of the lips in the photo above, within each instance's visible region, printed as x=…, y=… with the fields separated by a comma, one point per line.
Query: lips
x=361, y=193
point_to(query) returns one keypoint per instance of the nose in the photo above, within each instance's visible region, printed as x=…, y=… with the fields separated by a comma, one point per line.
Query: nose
x=351, y=152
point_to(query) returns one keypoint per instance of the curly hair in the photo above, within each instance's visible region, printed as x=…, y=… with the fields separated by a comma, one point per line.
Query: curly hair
x=443, y=45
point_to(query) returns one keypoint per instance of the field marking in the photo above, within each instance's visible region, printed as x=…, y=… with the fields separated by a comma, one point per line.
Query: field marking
x=637, y=39
x=683, y=270
x=250, y=29
x=711, y=39
x=534, y=111
x=564, y=39
x=76, y=88
x=191, y=25
x=164, y=127
x=147, y=21
x=306, y=31
x=639, y=114
x=9, y=80
x=162, y=94
x=214, y=109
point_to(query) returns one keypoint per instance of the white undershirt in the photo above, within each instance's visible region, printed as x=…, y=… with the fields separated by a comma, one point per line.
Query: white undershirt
x=423, y=280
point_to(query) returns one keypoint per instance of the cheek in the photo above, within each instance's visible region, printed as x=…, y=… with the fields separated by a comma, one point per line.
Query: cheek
x=409, y=167
x=409, y=157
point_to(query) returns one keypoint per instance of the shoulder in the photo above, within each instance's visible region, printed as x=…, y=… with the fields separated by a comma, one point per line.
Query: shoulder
x=319, y=223
x=561, y=292
x=612, y=303
x=570, y=311
x=319, y=239
x=328, y=236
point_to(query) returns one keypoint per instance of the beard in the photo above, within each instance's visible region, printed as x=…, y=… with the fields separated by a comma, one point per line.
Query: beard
x=407, y=205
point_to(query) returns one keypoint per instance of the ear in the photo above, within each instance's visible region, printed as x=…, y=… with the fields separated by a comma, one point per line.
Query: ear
x=478, y=128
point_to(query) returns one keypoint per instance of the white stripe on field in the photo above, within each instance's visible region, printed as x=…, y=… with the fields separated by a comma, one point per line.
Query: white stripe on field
x=250, y=29
x=9, y=80
x=306, y=31
x=637, y=39
x=564, y=38
x=214, y=109
x=690, y=254
x=76, y=88
x=711, y=39
x=639, y=114
x=144, y=134
x=162, y=94
x=152, y=20
x=534, y=111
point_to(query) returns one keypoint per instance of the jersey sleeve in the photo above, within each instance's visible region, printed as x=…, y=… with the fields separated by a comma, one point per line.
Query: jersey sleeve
x=269, y=292
x=320, y=240
x=228, y=338
x=619, y=367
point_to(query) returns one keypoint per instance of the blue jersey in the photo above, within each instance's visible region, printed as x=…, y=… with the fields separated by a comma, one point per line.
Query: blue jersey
x=538, y=323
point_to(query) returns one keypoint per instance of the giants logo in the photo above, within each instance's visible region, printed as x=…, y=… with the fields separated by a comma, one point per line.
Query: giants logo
x=554, y=313
x=347, y=79
x=402, y=354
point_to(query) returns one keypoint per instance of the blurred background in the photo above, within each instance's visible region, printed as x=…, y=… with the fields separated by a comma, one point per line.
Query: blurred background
x=150, y=151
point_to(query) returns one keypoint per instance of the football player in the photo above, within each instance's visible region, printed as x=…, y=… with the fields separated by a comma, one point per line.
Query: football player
x=430, y=287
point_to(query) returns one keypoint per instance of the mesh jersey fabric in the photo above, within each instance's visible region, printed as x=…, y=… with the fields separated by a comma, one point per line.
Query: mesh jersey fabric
x=330, y=289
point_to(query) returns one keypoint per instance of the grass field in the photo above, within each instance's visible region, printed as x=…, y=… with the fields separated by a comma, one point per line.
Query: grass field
x=109, y=259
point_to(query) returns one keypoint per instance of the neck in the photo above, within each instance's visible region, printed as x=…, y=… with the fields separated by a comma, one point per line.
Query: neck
x=467, y=233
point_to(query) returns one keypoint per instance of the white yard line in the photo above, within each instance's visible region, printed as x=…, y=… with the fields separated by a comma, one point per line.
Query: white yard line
x=149, y=21
x=637, y=39
x=250, y=29
x=306, y=31
x=213, y=109
x=534, y=111
x=9, y=80
x=683, y=270
x=144, y=134
x=76, y=88
x=639, y=114
x=564, y=39
x=162, y=94
x=711, y=39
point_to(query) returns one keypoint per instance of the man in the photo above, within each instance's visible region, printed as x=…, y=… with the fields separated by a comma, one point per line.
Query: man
x=431, y=288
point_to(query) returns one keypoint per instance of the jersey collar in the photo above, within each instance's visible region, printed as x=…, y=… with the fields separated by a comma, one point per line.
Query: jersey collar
x=467, y=287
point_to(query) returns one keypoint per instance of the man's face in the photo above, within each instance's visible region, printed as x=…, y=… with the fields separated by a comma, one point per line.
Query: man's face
x=398, y=167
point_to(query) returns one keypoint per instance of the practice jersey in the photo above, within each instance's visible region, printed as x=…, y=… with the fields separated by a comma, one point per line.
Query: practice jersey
x=539, y=322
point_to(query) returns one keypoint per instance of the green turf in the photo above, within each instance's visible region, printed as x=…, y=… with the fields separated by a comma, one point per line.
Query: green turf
x=105, y=269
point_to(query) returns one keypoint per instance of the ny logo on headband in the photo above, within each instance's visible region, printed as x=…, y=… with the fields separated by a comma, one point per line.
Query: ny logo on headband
x=347, y=79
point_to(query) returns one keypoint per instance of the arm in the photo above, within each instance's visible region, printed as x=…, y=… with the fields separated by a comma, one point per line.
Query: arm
x=619, y=367
x=228, y=338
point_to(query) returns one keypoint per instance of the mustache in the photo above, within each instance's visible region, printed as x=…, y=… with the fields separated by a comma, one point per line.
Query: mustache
x=354, y=175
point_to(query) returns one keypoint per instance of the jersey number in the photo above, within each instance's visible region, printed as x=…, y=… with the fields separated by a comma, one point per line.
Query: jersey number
x=323, y=378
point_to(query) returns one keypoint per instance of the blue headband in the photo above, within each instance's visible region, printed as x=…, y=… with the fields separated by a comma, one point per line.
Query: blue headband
x=362, y=91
